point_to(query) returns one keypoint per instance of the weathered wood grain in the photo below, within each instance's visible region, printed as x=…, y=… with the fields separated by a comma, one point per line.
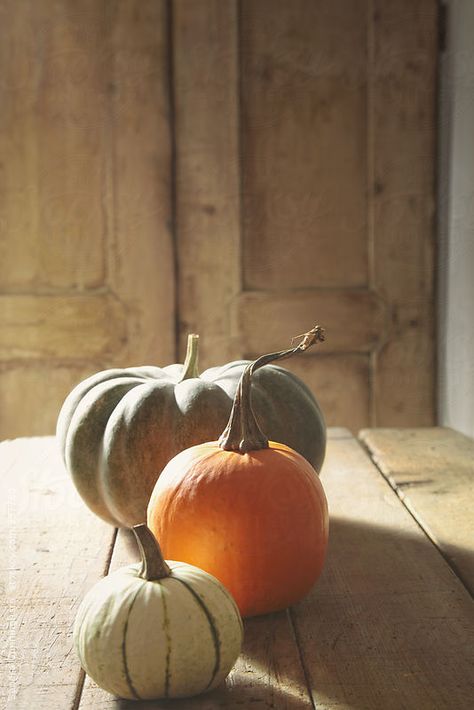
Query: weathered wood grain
x=354, y=319
x=177, y=157
x=60, y=328
x=52, y=124
x=206, y=95
x=402, y=107
x=303, y=71
x=389, y=625
x=87, y=263
x=33, y=393
x=340, y=383
x=432, y=472
x=138, y=191
x=268, y=672
x=54, y=550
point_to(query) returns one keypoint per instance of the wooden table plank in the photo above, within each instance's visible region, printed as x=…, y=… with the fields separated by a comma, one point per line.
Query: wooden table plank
x=268, y=672
x=389, y=626
x=432, y=472
x=54, y=549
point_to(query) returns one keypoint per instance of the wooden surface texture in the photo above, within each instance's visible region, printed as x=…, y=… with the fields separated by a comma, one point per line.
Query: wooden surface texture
x=388, y=626
x=432, y=472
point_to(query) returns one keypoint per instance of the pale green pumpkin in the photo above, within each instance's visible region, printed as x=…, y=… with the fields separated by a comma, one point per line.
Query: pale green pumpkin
x=119, y=428
x=157, y=630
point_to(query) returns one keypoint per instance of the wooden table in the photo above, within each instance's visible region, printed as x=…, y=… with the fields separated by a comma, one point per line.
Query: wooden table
x=388, y=627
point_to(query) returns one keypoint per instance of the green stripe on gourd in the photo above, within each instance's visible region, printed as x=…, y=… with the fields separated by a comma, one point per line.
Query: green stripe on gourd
x=124, y=648
x=213, y=628
x=166, y=631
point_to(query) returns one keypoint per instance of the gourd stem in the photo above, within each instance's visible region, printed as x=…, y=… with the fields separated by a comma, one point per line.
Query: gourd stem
x=242, y=433
x=153, y=564
x=190, y=367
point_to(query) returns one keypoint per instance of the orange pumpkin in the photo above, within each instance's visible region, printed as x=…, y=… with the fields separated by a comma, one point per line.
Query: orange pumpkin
x=253, y=513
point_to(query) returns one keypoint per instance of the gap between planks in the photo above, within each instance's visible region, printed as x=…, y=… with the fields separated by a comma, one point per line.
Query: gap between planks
x=82, y=674
x=417, y=478
x=388, y=624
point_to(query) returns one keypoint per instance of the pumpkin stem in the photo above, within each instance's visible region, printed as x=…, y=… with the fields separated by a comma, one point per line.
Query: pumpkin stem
x=190, y=367
x=242, y=433
x=153, y=564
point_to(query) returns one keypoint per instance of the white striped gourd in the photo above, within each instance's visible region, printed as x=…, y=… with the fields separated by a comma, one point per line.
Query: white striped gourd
x=157, y=630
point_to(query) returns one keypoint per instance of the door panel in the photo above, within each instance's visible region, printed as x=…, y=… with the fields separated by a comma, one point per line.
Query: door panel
x=87, y=267
x=241, y=169
x=303, y=192
x=329, y=125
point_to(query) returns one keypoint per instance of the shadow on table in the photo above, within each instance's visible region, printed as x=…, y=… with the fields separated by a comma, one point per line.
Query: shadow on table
x=386, y=627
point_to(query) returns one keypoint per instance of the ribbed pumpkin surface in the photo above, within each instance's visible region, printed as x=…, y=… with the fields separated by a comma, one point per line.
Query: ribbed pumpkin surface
x=256, y=521
x=172, y=637
x=119, y=428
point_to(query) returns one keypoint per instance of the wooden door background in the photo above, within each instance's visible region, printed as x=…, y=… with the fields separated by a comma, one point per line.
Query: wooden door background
x=240, y=169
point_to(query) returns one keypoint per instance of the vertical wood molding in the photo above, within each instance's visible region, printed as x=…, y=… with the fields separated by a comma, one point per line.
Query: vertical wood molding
x=141, y=249
x=370, y=197
x=207, y=172
x=403, y=103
